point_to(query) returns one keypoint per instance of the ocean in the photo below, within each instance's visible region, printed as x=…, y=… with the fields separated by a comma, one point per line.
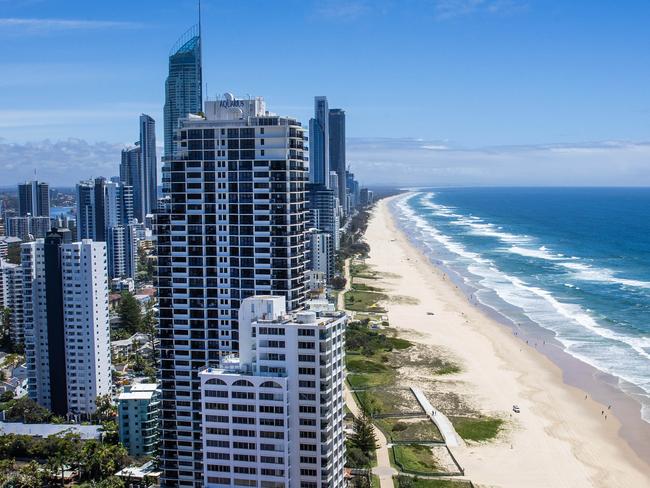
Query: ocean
x=572, y=261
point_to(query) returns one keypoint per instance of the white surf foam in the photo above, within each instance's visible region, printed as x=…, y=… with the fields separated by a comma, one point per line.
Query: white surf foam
x=582, y=336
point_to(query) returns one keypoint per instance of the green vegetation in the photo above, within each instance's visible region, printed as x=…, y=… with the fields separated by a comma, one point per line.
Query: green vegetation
x=415, y=482
x=362, y=270
x=28, y=411
x=95, y=461
x=362, y=444
x=477, y=429
x=363, y=301
x=146, y=266
x=412, y=430
x=130, y=313
x=361, y=338
x=366, y=360
x=374, y=480
x=415, y=458
x=352, y=243
x=448, y=368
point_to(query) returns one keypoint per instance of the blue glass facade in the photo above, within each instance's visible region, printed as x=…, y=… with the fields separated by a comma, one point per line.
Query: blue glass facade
x=319, y=153
x=183, y=88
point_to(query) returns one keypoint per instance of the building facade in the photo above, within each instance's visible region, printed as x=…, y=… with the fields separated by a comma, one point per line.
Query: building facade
x=67, y=336
x=184, y=86
x=28, y=228
x=321, y=253
x=274, y=414
x=235, y=228
x=105, y=213
x=12, y=298
x=337, y=149
x=138, y=415
x=324, y=212
x=149, y=172
x=319, y=142
x=34, y=199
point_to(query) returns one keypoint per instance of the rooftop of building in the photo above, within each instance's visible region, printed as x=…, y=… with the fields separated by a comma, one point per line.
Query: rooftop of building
x=47, y=430
x=139, y=391
x=139, y=472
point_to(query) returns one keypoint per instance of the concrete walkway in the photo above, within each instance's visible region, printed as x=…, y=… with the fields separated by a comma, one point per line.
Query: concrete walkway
x=383, y=470
x=452, y=439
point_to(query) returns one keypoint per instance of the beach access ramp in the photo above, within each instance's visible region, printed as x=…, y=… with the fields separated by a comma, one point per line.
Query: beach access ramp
x=437, y=417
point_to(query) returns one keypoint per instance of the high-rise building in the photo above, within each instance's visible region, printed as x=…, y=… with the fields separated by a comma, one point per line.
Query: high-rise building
x=337, y=149
x=137, y=418
x=28, y=228
x=86, y=210
x=12, y=298
x=183, y=87
x=274, y=414
x=321, y=253
x=235, y=228
x=131, y=175
x=105, y=212
x=149, y=171
x=34, y=199
x=323, y=212
x=67, y=337
x=319, y=143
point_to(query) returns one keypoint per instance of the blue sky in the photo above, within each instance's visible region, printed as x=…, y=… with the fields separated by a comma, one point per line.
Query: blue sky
x=465, y=87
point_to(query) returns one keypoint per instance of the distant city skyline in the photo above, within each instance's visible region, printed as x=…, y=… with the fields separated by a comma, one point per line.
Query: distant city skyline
x=487, y=82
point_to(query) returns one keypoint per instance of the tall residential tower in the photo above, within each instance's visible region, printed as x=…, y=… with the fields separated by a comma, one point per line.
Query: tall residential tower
x=337, y=150
x=67, y=337
x=235, y=228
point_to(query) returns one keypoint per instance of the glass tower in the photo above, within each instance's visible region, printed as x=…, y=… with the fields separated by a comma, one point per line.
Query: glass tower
x=183, y=93
x=319, y=152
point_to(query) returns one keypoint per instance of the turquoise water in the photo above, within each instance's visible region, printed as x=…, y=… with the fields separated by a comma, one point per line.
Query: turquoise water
x=575, y=262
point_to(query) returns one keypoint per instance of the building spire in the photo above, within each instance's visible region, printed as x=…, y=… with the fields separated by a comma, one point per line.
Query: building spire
x=200, y=59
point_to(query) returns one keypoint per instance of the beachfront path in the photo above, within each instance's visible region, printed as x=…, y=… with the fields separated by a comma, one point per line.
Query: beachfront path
x=383, y=470
x=445, y=427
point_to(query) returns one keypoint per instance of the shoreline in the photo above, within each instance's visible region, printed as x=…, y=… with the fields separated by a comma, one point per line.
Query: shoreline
x=601, y=386
x=561, y=438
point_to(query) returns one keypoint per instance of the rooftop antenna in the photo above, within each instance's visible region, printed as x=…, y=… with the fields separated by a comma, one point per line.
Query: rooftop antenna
x=200, y=53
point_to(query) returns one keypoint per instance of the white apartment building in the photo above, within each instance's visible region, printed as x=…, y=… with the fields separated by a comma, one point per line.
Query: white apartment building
x=67, y=336
x=11, y=297
x=273, y=416
x=321, y=253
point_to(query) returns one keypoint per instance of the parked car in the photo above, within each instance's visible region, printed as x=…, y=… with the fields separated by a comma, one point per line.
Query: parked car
x=515, y=409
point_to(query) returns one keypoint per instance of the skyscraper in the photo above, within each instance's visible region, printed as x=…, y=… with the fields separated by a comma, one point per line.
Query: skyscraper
x=34, y=199
x=67, y=337
x=319, y=143
x=149, y=165
x=183, y=87
x=131, y=174
x=105, y=214
x=12, y=298
x=235, y=228
x=274, y=415
x=337, y=149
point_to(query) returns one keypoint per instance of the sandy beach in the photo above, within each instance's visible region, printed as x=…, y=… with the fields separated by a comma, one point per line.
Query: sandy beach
x=560, y=438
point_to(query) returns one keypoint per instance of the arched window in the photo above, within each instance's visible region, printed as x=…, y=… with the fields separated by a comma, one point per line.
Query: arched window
x=270, y=384
x=215, y=381
x=242, y=383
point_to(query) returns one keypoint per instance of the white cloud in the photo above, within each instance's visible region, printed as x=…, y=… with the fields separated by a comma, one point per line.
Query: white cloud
x=411, y=162
x=35, y=25
x=449, y=9
x=346, y=10
x=60, y=163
